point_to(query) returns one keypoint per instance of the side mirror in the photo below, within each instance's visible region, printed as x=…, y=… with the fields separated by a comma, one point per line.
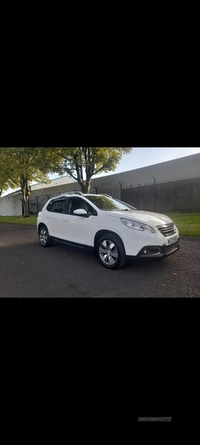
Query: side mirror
x=80, y=212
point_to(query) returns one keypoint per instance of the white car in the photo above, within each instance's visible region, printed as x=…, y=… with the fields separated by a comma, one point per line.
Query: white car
x=113, y=228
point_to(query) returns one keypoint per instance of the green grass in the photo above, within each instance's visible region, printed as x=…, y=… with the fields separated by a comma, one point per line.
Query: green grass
x=188, y=223
x=19, y=220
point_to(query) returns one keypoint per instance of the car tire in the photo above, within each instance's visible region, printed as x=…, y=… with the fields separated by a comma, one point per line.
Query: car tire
x=44, y=238
x=111, y=252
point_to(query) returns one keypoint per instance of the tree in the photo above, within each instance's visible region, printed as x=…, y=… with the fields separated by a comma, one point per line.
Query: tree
x=81, y=163
x=21, y=165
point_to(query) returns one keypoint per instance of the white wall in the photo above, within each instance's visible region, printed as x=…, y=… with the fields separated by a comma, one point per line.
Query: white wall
x=11, y=205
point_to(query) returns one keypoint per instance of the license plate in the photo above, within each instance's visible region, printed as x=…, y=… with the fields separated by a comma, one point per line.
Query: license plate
x=172, y=240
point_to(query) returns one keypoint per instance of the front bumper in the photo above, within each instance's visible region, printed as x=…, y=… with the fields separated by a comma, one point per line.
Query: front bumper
x=156, y=252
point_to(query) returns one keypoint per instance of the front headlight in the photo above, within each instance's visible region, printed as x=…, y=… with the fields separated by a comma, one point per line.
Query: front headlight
x=136, y=225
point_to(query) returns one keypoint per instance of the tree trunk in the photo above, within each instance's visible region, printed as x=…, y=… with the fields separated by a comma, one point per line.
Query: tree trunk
x=25, y=196
x=25, y=204
x=85, y=186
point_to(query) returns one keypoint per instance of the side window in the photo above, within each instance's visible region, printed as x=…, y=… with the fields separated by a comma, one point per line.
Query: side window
x=89, y=209
x=56, y=206
x=74, y=204
x=78, y=203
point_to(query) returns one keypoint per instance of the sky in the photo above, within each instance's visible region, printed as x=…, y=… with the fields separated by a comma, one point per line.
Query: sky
x=142, y=157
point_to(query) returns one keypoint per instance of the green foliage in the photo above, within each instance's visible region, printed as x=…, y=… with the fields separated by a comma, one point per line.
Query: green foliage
x=24, y=163
x=81, y=163
x=21, y=165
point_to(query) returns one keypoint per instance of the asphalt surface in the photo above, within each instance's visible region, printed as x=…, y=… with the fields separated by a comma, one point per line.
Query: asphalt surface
x=29, y=270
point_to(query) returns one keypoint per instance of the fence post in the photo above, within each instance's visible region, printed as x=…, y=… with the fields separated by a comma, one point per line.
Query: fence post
x=154, y=194
x=22, y=206
x=121, y=184
x=37, y=197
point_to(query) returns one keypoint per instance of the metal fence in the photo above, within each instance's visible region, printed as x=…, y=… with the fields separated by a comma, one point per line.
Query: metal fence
x=174, y=196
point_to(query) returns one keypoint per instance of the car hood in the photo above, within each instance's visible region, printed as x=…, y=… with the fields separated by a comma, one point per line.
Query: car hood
x=144, y=216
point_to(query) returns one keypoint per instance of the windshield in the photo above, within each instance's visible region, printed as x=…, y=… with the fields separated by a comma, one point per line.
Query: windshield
x=106, y=203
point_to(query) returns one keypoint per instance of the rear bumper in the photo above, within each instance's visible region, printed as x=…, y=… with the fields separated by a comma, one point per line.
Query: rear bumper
x=148, y=252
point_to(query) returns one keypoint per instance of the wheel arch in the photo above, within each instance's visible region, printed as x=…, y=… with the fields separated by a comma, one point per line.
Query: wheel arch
x=40, y=225
x=102, y=232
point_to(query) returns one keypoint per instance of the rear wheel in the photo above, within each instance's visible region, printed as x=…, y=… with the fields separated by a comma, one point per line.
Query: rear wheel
x=44, y=237
x=111, y=251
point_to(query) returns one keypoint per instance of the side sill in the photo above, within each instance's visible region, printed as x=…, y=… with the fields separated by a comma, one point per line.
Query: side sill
x=70, y=243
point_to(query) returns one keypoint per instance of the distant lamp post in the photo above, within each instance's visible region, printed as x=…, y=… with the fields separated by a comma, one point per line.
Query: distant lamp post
x=96, y=188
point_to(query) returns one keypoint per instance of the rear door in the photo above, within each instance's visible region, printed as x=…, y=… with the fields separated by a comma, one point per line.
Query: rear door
x=54, y=217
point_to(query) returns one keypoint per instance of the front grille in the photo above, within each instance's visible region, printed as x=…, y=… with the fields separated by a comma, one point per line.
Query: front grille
x=170, y=249
x=167, y=229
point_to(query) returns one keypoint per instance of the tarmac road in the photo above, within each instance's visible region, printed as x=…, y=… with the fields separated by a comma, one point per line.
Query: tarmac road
x=28, y=270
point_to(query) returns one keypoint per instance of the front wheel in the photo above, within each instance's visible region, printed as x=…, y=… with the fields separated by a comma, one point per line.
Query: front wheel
x=110, y=250
x=44, y=237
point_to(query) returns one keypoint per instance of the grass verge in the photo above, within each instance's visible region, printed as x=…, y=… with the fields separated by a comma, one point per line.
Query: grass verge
x=188, y=223
x=31, y=220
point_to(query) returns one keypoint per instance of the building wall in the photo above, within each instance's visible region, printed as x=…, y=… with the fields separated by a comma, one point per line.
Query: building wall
x=183, y=196
x=11, y=205
x=175, y=170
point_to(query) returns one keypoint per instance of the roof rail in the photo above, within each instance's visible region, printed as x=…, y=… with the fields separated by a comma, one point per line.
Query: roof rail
x=74, y=193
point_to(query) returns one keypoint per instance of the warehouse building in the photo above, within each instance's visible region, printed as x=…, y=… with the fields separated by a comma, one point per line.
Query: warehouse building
x=11, y=204
x=167, y=186
x=169, y=171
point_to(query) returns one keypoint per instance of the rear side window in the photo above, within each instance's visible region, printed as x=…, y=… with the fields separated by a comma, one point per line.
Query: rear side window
x=56, y=206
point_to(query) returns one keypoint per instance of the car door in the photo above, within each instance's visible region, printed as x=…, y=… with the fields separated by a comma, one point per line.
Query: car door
x=54, y=217
x=79, y=229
